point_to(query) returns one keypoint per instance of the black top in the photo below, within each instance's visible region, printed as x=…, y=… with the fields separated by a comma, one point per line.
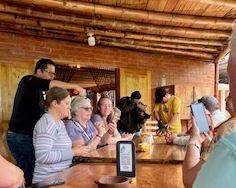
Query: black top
x=128, y=121
x=28, y=104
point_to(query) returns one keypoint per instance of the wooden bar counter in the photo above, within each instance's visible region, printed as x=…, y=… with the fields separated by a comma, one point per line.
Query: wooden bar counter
x=159, y=153
x=147, y=175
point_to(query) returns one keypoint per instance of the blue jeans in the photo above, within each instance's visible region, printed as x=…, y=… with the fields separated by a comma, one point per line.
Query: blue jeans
x=22, y=149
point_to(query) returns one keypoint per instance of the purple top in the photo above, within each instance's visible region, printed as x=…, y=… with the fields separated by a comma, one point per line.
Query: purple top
x=96, y=118
x=77, y=131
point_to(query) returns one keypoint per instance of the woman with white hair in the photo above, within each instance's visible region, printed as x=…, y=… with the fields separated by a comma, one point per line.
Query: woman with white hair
x=80, y=128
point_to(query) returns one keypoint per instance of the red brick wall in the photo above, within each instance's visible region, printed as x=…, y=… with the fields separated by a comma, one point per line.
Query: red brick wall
x=16, y=48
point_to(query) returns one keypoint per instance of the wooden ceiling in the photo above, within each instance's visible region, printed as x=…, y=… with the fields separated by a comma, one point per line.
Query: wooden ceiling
x=192, y=28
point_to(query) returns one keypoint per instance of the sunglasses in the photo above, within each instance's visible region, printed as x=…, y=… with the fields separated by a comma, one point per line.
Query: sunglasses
x=50, y=73
x=87, y=108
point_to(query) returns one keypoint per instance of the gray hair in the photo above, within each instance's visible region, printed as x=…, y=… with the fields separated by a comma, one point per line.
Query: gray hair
x=77, y=103
x=210, y=102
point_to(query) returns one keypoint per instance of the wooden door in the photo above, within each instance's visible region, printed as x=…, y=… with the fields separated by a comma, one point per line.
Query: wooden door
x=129, y=80
x=185, y=93
x=10, y=75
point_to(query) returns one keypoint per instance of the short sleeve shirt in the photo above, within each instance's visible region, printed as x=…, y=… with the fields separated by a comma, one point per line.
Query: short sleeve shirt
x=167, y=111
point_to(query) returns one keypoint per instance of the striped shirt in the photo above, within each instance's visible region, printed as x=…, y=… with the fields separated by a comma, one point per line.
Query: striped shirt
x=53, y=148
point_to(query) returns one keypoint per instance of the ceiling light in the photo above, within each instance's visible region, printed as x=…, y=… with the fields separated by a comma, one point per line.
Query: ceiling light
x=91, y=39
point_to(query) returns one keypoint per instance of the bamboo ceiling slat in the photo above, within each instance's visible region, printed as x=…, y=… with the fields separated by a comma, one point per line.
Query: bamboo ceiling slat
x=229, y=3
x=140, y=4
x=107, y=2
x=190, y=7
x=221, y=10
x=156, y=5
x=170, y=5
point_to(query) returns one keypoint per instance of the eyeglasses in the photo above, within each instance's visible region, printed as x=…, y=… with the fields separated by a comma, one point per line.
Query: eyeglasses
x=50, y=73
x=87, y=108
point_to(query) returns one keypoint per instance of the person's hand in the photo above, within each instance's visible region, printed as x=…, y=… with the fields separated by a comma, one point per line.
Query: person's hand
x=100, y=129
x=194, y=129
x=206, y=141
x=20, y=180
x=81, y=150
x=111, y=127
x=79, y=91
x=141, y=106
x=127, y=136
x=170, y=138
x=195, y=133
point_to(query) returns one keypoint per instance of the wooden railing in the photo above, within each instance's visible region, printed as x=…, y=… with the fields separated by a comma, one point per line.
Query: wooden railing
x=150, y=127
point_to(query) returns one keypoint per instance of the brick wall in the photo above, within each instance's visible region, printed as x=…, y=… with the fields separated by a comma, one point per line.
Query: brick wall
x=16, y=48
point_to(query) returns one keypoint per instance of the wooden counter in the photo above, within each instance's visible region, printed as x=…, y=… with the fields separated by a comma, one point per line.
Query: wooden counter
x=159, y=153
x=147, y=175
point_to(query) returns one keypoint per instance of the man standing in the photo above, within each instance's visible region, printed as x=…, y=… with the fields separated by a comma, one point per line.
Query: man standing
x=130, y=121
x=27, y=109
x=167, y=109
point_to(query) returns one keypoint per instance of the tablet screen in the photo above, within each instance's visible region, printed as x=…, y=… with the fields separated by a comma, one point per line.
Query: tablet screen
x=125, y=153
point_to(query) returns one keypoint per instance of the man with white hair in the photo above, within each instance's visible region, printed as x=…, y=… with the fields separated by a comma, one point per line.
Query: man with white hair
x=212, y=105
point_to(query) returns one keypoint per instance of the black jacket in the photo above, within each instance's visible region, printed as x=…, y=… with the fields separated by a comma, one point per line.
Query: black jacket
x=129, y=116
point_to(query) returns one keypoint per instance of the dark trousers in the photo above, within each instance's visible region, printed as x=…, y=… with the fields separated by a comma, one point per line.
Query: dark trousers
x=21, y=147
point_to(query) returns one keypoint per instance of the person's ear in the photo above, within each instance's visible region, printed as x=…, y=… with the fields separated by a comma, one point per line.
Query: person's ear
x=54, y=103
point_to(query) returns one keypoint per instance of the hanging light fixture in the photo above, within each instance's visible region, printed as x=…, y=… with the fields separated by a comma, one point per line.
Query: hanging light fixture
x=91, y=39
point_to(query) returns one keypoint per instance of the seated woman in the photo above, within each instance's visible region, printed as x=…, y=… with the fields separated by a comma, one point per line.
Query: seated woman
x=53, y=147
x=108, y=116
x=80, y=128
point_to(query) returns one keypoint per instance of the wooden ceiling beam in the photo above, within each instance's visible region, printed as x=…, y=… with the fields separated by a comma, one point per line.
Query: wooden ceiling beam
x=166, y=31
x=160, y=50
x=225, y=51
x=130, y=14
x=159, y=44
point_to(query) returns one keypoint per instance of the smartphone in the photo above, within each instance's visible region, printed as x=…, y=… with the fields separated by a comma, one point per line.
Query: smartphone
x=125, y=158
x=198, y=111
